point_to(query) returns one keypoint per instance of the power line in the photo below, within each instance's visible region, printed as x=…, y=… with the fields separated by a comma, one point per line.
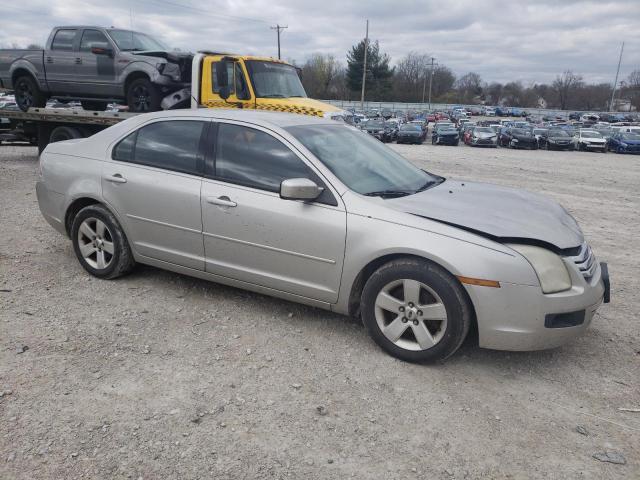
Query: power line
x=207, y=12
x=278, y=28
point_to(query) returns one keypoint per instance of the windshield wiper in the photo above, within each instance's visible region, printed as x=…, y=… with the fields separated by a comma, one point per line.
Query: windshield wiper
x=390, y=193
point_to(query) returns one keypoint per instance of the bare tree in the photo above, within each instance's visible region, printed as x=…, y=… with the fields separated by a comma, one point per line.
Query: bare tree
x=469, y=86
x=319, y=75
x=565, y=86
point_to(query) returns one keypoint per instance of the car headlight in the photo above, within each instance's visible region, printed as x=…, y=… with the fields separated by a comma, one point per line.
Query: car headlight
x=515, y=140
x=549, y=267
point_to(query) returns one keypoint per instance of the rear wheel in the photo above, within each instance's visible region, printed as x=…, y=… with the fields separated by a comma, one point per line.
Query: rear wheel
x=143, y=96
x=415, y=310
x=94, y=105
x=59, y=134
x=28, y=94
x=100, y=243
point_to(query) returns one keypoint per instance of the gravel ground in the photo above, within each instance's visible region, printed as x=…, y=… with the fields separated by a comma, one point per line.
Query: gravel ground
x=161, y=376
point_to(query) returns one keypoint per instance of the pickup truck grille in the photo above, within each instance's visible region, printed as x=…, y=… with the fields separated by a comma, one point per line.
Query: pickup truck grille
x=585, y=261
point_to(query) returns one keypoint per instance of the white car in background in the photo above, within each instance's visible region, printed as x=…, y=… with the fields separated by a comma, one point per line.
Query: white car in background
x=589, y=140
x=490, y=112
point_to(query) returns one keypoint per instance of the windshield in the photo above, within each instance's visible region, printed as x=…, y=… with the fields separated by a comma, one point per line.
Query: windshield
x=558, y=133
x=410, y=128
x=375, y=123
x=482, y=130
x=631, y=136
x=128, y=41
x=362, y=163
x=520, y=131
x=590, y=134
x=274, y=80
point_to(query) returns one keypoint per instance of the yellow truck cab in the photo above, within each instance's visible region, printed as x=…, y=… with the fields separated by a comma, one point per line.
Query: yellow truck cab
x=261, y=83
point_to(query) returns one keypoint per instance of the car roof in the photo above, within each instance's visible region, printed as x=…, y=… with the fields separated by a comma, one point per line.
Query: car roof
x=265, y=119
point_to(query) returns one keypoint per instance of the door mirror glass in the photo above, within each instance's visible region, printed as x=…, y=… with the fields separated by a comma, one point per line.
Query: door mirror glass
x=299, y=189
x=224, y=92
x=222, y=76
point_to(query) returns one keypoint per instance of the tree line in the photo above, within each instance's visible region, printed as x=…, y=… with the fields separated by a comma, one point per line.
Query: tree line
x=325, y=77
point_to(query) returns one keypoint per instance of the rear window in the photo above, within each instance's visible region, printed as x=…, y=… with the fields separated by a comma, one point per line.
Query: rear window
x=170, y=145
x=63, y=40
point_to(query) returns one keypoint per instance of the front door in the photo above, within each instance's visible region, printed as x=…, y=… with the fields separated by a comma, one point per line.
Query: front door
x=153, y=182
x=96, y=73
x=253, y=235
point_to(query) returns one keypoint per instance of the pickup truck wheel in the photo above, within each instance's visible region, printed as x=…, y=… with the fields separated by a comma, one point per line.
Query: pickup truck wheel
x=415, y=310
x=143, y=96
x=100, y=243
x=93, y=105
x=59, y=134
x=28, y=94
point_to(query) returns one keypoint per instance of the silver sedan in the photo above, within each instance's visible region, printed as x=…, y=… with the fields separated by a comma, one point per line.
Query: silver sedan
x=322, y=214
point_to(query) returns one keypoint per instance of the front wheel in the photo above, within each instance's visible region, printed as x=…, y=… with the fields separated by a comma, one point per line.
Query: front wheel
x=143, y=96
x=415, y=310
x=100, y=243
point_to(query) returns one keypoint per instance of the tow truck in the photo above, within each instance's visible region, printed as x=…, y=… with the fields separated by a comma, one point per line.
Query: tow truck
x=218, y=80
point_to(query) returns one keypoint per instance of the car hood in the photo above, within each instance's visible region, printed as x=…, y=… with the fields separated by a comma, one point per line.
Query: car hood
x=559, y=138
x=524, y=138
x=498, y=212
x=168, y=55
x=447, y=132
x=484, y=135
x=630, y=142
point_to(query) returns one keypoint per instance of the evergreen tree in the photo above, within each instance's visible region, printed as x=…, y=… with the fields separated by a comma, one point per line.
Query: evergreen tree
x=379, y=75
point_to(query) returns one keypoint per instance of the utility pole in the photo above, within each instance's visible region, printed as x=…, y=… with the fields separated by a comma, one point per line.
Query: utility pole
x=615, y=84
x=430, y=82
x=278, y=28
x=364, y=66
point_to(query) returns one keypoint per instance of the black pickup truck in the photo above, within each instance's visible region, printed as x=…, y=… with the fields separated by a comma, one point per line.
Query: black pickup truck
x=97, y=66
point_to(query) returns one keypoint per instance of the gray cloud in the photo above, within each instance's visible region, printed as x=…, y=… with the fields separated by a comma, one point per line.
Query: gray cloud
x=531, y=41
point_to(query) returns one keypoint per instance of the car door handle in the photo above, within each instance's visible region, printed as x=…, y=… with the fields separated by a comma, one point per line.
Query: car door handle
x=116, y=178
x=49, y=60
x=223, y=201
x=78, y=60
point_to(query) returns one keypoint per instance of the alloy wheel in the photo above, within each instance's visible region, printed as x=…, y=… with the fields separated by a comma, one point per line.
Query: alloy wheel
x=96, y=243
x=141, y=96
x=24, y=95
x=410, y=314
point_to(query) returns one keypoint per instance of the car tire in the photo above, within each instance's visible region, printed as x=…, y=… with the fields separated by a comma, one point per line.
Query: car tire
x=143, y=96
x=62, y=133
x=94, y=105
x=28, y=93
x=433, y=313
x=100, y=244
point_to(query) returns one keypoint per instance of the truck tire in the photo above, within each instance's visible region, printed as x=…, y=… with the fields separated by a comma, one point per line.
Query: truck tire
x=28, y=93
x=143, y=96
x=94, y=105
x=61, y=133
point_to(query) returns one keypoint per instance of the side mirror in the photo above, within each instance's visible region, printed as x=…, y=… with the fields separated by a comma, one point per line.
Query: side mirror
x=224, y=92
x=101, y=51
x=222, y=75
x=299, y=189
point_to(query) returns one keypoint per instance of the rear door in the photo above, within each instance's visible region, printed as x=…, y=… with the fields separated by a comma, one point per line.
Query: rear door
x=61, y=61
x=153, y=181
x=253, y=235
x=95, y=73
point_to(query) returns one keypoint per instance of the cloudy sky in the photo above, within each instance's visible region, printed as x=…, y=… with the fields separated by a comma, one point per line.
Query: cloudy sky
x=531, y=41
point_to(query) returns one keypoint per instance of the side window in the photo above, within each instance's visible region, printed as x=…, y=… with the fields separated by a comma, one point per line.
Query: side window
x=256, y=159
x=240, y=85
x=171, y=145
x=93, y=38
x=63, y=40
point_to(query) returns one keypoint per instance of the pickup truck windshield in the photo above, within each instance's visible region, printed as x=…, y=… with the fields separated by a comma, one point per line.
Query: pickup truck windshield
x=361, y=162
x=128, y=41
x=274, y=80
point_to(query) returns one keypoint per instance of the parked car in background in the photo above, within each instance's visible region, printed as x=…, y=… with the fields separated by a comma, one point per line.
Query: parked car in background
x=465, y=131
x=538, y=132
x=518, y=138
x=490, y=112
x=589, y=140
x=376, y=128
x=624, y=142
x=555, y=139
x=482, y=137
x=410, y=133
x=445, y=134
